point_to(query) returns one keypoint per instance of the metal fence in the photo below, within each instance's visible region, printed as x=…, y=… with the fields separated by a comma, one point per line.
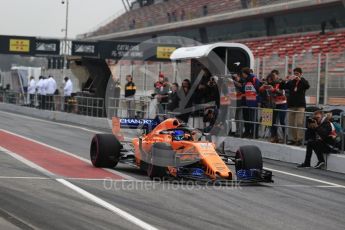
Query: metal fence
x=87, y=106
x=232, y=122
x=262, y=129
x=145, y=74
x=145, y=107
x=134, y=107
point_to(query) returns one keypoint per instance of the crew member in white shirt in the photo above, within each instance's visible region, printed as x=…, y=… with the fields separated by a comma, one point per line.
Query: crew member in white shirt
x=44, y=92
x=68, y=89
x=32, y=91
x=40, y=92
x=50, y=91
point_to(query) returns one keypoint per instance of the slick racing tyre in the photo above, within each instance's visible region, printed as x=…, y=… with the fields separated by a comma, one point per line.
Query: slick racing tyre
x=161, y=156
x=105, y=150
x=248, y=157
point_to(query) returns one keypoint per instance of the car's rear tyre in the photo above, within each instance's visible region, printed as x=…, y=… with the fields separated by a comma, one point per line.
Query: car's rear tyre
x=161, y=156
x=105, y=151
x=248, y=157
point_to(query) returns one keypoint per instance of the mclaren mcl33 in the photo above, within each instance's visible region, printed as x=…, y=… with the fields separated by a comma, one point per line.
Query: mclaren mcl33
x=171, y=149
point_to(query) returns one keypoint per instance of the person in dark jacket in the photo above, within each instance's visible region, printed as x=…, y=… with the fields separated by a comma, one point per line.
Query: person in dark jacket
x=325, y=138
x=186, y=101
x=162, y=88
x=130, y=90
x=250, y=89
x=173, y=98
x=297, y=88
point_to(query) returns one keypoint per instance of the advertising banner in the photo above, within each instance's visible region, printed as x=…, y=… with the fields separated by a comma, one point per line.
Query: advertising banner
x=47, y=47
x=88, y=49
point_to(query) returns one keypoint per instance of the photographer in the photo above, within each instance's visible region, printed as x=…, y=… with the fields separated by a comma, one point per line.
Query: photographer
x=324, y=138
x=237, y=100
x=213, y=91
x=297, y=87
x=273, y=96
x=251, y=87
x=214, y=126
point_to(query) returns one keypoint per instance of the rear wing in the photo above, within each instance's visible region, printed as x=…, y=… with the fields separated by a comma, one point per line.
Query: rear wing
x=132, y=123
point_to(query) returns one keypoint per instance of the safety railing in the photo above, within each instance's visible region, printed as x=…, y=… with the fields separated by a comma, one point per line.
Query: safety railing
x=90, y=106
x=262, y=119
x=87, y=106
x=141, y=107
x=262, y=123
x=12, y=98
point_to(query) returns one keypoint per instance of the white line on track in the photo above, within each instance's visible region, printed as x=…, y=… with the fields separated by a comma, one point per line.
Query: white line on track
x=108, y=206
x=84, y=193
x=305, y=186
x=127, y=177
x=306, y=178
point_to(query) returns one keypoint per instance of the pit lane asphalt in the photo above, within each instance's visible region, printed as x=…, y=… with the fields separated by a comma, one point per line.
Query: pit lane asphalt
x=40, y=202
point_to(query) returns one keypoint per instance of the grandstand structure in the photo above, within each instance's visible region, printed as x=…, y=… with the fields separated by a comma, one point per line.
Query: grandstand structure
x=281, y=33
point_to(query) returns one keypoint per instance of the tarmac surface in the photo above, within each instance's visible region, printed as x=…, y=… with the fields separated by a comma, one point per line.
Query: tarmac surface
x=47, y=182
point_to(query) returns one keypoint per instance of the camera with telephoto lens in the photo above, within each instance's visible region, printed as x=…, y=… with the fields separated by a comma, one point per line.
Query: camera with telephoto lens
x=311, y=120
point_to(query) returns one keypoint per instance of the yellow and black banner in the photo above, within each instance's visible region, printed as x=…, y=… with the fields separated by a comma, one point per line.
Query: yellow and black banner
x=164, y=52
x=17, y=45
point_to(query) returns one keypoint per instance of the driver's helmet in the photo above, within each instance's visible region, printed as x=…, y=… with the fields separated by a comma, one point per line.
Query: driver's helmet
x=178, y=135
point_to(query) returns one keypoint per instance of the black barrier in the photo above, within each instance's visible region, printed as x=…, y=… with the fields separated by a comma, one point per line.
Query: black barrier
x=135, y=51
x=119, y=50
x=101, y=49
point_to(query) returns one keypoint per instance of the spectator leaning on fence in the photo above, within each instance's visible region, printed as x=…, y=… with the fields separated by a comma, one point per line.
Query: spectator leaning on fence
x=277, y=101
x=280, y=104
x=173, y=98
x=250, y=89
x=32, y=91
x=162, y=89
x=237, y=101
x=323, y=141
x=213, y=91
x=297, y=88
x=186, y=100
x=130, y=90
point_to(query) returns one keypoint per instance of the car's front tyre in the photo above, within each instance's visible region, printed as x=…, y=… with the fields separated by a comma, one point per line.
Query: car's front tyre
x=105, y=151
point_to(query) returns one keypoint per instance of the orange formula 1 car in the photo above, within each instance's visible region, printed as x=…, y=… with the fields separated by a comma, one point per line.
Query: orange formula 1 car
x=172, y=149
